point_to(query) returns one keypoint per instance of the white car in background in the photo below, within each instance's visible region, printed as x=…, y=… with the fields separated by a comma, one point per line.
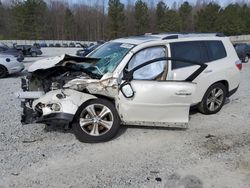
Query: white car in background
x=9, y=65
x=144, y=80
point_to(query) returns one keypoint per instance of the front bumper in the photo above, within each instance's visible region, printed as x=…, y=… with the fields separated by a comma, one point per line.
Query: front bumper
x=30, y=116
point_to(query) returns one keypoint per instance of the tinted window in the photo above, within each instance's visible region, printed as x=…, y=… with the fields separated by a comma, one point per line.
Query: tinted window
x=216, y=50
x=193, y=51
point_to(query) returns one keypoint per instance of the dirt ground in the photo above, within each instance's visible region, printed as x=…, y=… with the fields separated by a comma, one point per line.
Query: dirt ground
x=213, y=152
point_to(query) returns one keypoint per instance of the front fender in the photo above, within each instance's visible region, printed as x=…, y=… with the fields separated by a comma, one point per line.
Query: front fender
x=61, y=101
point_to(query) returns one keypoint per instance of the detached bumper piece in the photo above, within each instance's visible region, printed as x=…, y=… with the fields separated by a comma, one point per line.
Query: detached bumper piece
x=56, y=118
x=29, y=115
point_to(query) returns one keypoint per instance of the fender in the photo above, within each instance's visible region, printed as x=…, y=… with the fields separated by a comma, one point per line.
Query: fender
x=61, y=101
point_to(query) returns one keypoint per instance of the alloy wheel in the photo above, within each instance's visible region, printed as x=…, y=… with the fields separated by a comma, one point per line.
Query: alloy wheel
x=96, y=119
x=215, y=99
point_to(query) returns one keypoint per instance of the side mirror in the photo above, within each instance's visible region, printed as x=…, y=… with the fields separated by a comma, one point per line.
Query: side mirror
x=127, y=90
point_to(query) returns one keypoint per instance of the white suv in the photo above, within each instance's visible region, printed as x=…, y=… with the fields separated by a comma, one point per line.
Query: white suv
x=144, y=80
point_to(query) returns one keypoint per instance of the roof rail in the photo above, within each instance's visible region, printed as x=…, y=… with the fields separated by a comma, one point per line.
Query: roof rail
x=167, y=36
x=171, y=37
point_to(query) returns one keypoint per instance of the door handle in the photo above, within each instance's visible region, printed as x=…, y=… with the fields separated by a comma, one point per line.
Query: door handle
x=183, y=93
x=208, y=71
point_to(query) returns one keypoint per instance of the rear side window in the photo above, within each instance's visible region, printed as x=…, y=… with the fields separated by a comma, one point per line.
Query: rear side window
x=193, y=51
x=216, y=50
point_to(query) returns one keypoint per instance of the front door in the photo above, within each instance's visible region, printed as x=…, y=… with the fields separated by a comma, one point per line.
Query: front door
x=157, y=101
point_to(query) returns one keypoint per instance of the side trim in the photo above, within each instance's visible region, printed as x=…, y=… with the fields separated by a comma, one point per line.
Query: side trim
x=156, y=124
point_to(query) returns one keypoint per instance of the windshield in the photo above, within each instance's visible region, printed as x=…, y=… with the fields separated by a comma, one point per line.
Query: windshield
x=110, y=55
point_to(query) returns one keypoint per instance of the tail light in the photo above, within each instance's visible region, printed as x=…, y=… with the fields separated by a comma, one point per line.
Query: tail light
x=238, y=64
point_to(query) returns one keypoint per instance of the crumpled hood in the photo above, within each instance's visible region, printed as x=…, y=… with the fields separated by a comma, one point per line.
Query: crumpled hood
x=46, y=63
x=59, y=60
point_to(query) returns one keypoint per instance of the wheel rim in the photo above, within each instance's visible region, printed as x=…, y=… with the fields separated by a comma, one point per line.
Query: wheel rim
x=215, y=99
x=96, y=119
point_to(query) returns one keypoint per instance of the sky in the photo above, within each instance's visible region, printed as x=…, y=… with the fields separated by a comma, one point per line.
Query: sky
x=168, y=2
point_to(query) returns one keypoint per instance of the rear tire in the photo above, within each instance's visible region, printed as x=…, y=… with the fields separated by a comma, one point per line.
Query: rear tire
x=96, y=121
x=3, y=71
x=214, y=99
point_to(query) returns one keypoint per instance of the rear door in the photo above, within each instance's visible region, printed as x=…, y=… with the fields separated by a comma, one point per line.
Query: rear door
x=190, y=50
x=209, y=52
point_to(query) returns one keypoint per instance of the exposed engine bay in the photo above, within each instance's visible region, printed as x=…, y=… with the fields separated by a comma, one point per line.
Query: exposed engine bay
x=52, y=79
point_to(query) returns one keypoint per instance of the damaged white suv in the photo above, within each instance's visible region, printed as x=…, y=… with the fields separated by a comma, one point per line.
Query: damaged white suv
x=145, y=80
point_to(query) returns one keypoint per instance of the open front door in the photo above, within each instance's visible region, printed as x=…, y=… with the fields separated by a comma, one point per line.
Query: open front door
x=154, y=100
x=157, y=101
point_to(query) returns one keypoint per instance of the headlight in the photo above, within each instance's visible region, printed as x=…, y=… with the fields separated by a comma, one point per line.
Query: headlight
x=7, y=59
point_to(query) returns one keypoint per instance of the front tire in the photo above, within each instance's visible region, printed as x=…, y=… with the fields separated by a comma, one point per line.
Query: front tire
x=213, y=99
x=3, y=71
x=96, y=121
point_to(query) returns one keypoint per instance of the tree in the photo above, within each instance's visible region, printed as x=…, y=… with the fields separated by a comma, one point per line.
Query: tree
x=185, y=12
x=167, y=20
x=141, y=17
x=116, y=18
x=161, y=9
x=205, y=20
x=30, y=19
x=69, y=24
x=230, y=21
x=173, y=21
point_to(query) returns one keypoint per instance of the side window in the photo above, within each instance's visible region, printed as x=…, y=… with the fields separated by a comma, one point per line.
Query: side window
x=193, y=51
x=216, y=50
x=151, y=71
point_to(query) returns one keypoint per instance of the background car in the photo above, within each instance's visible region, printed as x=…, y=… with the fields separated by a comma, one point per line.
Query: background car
x=37, y=45
x=9, y=65
x=86, y=51
x=72, y=45
x=29, y=50
x=65, y=45
x=43, y=45
x=80, y=45
x=51, y=45
x=243, y=51
x=7, y=50
x=58, y=45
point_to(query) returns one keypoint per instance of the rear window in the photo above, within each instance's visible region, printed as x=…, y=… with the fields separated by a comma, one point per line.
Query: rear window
x=216, y=50
x=193, y=51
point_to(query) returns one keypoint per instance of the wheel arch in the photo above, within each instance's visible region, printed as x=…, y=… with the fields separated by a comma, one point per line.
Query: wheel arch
x=91, y=99
x=6, y=68
x=225, y=83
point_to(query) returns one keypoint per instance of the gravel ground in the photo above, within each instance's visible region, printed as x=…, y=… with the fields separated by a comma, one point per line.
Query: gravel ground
x=213, y=152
